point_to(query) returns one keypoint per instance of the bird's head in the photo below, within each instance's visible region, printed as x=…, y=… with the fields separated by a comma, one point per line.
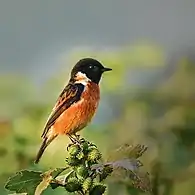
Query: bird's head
x=88, y=69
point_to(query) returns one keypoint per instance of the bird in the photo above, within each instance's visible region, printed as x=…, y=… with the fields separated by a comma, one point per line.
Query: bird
x=76, y=104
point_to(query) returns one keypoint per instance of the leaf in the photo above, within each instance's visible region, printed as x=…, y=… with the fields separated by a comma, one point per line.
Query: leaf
x=48, y=178
x=56, y=172
x=107, y=170
x=70, y=175
x=141, y=181
x=127, y=164
x=98, y=189
x=62, y=180
x=137, y=151
x=24, y=181
x=131, y=165
x=128, y=151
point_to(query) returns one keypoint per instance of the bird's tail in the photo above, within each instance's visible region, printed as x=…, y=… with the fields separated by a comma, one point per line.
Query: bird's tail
x=45, y=143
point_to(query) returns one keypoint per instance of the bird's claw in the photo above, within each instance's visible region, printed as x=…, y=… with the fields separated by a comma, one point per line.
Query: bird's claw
x=76, y=139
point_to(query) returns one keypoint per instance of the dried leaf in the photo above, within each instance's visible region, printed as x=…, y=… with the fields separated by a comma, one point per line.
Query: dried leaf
x=142, y=181
x=127, y=151
x=46, y=179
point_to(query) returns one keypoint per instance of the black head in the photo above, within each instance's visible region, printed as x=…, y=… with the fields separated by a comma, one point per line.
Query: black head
x=91, y=68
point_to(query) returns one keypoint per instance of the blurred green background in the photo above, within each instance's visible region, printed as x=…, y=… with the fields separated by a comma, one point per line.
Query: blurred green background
x=148, y=98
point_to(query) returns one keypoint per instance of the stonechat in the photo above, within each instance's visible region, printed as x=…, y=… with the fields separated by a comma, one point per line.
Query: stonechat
x=77, y=103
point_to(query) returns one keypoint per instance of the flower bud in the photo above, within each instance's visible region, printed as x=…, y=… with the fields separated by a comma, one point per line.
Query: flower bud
x=72, y=161
x=80, y=155
x=97, y=189
x=73, y=185
x=94, y=155
x=87, y=184
x=82, y=171
x=74, y=150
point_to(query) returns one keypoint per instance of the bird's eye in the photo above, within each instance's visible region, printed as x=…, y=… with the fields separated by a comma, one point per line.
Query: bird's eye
x=93, y=68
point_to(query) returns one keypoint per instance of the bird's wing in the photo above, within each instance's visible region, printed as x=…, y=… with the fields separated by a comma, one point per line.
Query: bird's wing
x=71, y=94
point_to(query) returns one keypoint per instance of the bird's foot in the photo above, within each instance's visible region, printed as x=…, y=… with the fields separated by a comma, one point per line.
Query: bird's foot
x=75, y=139
x=79, y=139
x=72, y=139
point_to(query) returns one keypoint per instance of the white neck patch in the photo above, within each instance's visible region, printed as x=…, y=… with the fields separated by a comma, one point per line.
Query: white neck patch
x=82, y=78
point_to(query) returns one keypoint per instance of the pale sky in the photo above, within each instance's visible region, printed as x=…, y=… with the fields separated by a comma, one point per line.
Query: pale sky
x=34, y=33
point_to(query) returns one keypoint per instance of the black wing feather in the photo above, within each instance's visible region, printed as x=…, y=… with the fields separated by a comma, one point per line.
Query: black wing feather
x=70, y=95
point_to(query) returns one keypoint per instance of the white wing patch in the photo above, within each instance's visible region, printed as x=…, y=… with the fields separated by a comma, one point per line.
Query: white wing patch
x=82, y=78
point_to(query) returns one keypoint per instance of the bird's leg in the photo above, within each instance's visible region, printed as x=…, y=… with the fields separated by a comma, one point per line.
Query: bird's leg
x=77, y=136
x=79, y=140
x=75, y=140
x=72, y=139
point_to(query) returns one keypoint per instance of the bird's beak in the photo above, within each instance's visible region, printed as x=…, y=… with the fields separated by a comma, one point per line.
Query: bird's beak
x=106, y=69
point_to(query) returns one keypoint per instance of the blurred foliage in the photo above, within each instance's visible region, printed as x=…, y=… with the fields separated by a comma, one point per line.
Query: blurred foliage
x=86, y=172
x=145, y=100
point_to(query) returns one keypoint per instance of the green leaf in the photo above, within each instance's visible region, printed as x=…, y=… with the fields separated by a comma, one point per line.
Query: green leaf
x=24, y=181
x=98, y=189
x=72, y=174
x=73, y=185
x=56, y=172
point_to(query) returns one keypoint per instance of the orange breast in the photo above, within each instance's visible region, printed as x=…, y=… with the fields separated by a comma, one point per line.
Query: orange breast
x=79, y=114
